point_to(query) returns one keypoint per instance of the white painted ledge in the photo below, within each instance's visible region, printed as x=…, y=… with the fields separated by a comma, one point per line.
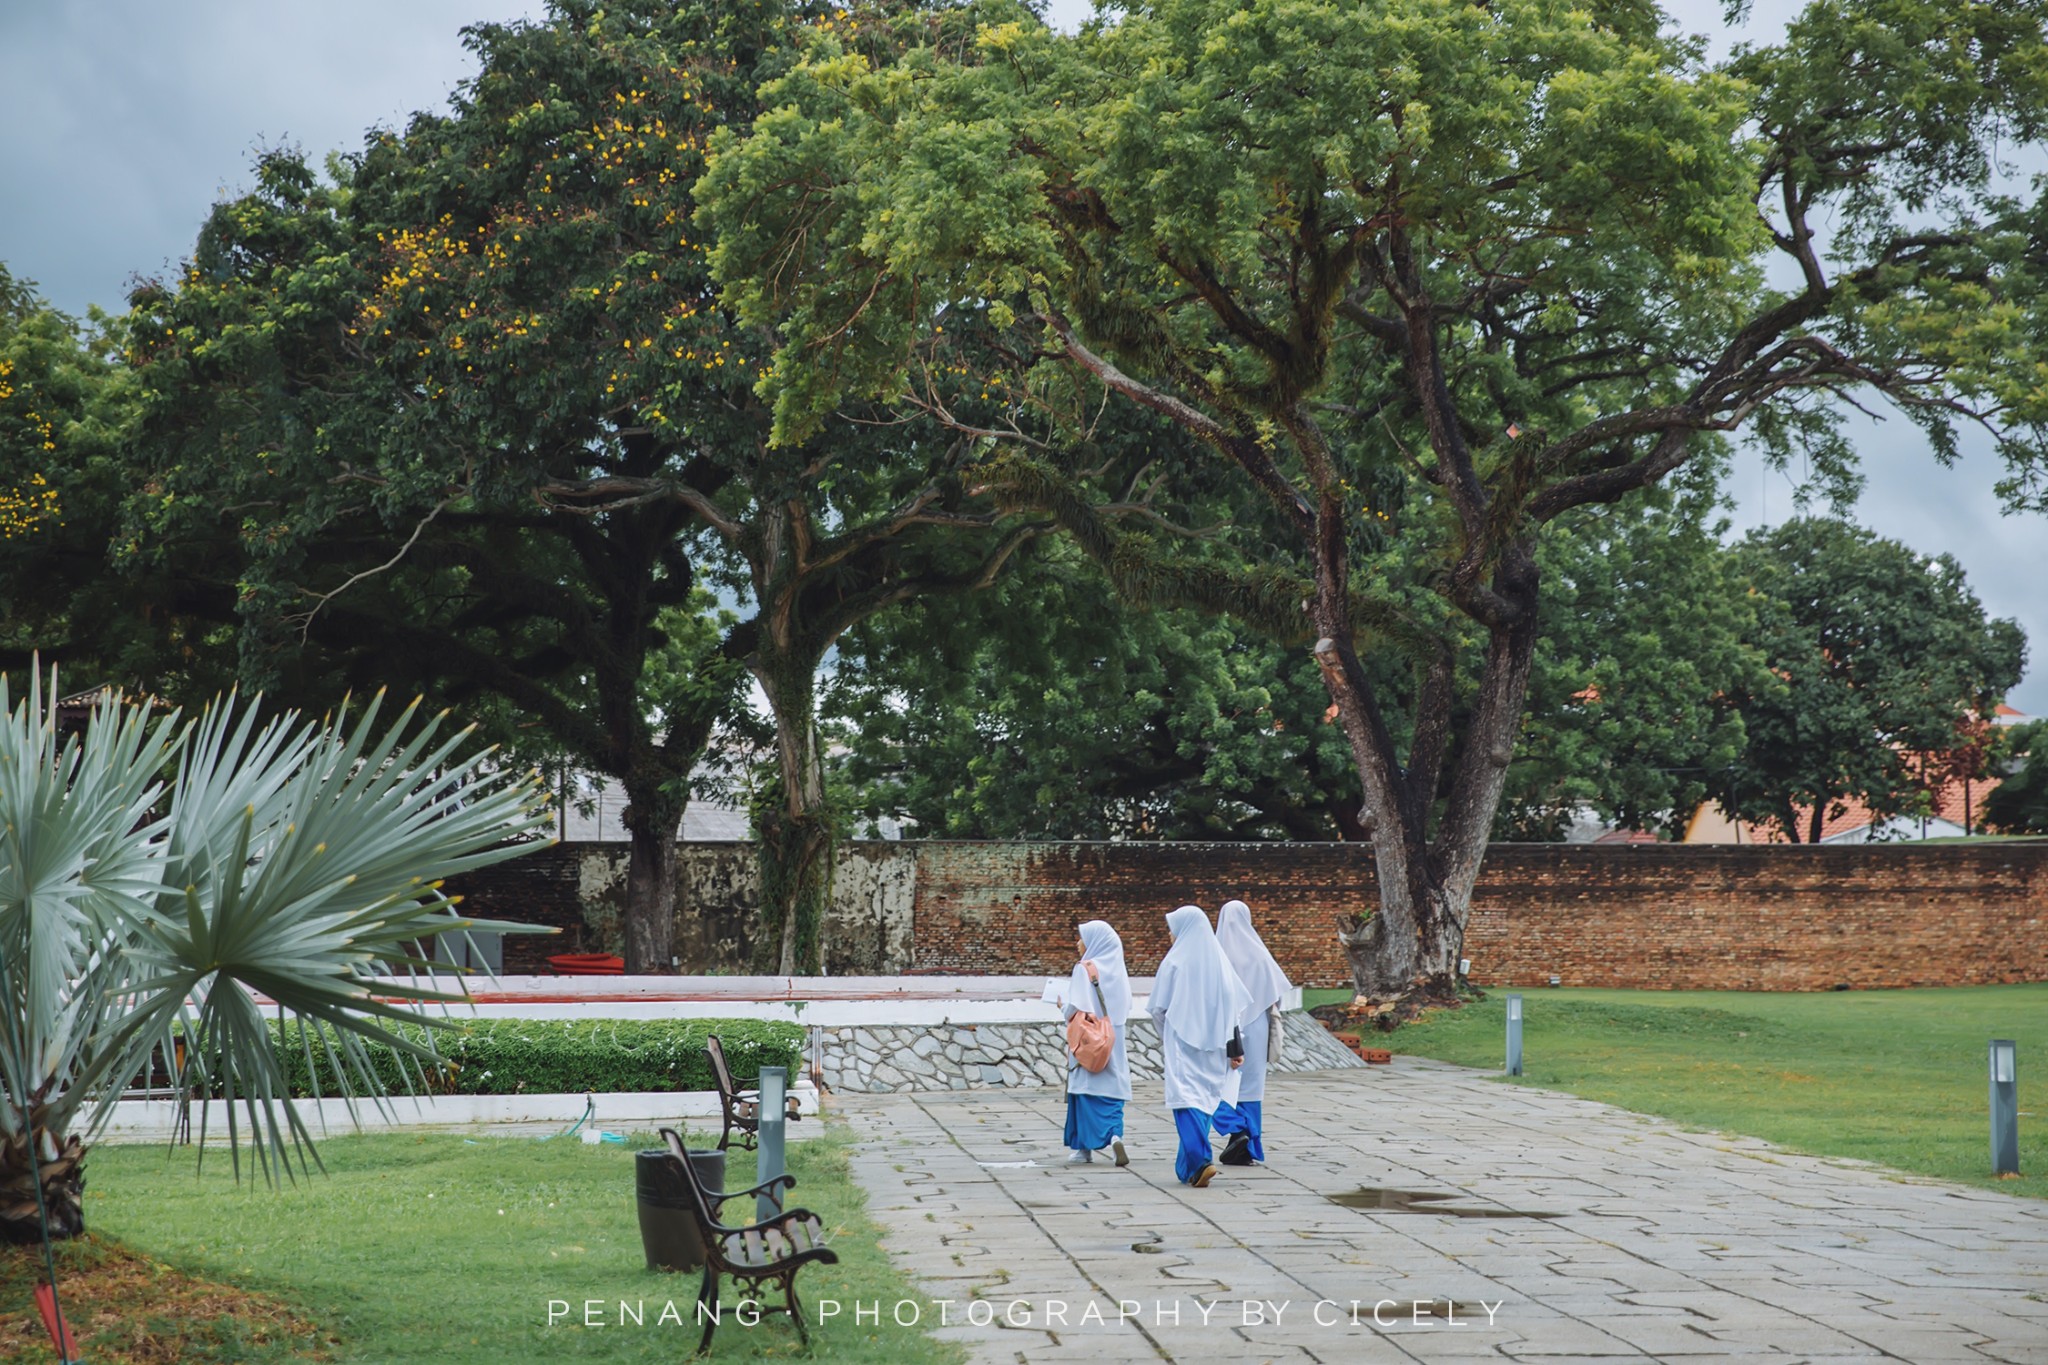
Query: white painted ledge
x=476, y=1115
x=825, y=1002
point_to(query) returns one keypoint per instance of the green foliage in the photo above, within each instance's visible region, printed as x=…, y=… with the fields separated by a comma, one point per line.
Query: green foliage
x=960, y=716
x=1884, y=656
x=1648, y=638
x=1894, y=1077
x=2019, y=804
x=548, y=1056
x=1194, y=146
x=357, y=406
x=466, y=412
x=67, y=406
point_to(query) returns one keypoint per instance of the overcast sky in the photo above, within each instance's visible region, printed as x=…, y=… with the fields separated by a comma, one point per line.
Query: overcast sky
x=127, y=119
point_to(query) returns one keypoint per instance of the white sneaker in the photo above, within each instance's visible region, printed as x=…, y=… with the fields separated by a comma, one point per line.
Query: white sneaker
x=1081, y=1158
x=1116, y=1148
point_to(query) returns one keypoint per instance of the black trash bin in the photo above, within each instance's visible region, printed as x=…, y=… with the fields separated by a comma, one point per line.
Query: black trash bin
x=668, y=1226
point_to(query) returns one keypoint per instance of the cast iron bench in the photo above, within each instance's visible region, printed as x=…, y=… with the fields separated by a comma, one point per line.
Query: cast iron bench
x=742, y=1105
x=774, y=1249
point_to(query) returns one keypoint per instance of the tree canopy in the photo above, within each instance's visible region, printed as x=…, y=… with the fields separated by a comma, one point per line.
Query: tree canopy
x=2019, y=804
x=1883, y=656
x=468, y=409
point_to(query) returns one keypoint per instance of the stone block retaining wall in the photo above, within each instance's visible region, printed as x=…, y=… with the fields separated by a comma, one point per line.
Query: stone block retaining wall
x=879, y=1058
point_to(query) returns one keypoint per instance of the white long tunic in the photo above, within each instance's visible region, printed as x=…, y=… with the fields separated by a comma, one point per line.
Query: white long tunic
x=1197, y=1001
x=1265, y=984
x=1196, y=1077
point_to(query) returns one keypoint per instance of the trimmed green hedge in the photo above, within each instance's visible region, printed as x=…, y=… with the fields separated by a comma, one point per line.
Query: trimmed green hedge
x=565, y=1056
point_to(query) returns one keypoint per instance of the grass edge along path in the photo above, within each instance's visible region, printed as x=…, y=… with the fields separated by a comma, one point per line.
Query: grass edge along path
x=430, y=1247
x=1897, y=1078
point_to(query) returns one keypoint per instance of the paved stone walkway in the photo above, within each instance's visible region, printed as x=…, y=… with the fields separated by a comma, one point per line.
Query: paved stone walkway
x=1666, y=1245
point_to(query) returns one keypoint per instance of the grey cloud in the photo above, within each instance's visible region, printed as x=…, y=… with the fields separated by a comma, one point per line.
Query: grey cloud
x=132, y=118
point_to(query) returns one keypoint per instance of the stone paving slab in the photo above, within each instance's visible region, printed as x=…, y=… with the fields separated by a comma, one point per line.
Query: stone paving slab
x=1662, y=1245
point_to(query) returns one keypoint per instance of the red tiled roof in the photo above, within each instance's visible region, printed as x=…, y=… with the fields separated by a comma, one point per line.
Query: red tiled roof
x=1947, y=804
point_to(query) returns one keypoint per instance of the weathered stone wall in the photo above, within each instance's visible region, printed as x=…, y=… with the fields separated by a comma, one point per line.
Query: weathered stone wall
x=580, y=890
x=1769, y=917
x=879, y=1058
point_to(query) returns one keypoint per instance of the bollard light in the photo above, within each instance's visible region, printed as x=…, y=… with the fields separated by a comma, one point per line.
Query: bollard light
x=768, y=1159
x=2005, y=1108
x=1514, y=1035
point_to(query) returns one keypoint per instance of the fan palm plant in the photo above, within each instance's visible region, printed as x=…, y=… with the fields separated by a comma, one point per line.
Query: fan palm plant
x=160, y=877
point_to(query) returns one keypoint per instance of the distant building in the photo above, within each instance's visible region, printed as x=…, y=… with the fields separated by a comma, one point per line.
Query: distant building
x=1953, y=812
x=593, y=808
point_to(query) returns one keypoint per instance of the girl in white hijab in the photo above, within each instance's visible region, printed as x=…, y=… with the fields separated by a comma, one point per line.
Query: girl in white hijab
x=1197, y=1002
x=1095, y=1099
x=1243, y=1121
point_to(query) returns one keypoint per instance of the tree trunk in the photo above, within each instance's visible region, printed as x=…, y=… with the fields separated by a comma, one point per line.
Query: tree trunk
x=796, y=829
x=63, y=1188
x=649, y=920
x=1411, y=943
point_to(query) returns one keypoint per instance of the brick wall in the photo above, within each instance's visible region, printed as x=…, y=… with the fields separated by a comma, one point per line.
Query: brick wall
x=1018, y=903
x=1661, y=916
x=1762, y=917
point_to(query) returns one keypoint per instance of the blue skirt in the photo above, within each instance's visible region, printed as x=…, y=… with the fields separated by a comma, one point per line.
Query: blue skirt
x=1092, y=1120
x=1245, y=1117
x=1194, y=1155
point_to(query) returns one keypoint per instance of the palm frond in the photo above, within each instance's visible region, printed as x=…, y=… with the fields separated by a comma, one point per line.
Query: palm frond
x=286, y=861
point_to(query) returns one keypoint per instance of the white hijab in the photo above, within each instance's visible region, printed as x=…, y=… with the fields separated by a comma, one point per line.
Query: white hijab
x=1248, y=954
x=1196, y=989
x=1100, y=945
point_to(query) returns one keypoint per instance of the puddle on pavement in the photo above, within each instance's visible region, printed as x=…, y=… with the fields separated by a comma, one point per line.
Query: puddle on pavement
x=1377, y=1200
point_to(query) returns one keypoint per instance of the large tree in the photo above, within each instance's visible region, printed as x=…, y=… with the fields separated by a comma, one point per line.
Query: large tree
x=475, y=386
x=1518, y=257
x=347, y=533
x=1884, y=661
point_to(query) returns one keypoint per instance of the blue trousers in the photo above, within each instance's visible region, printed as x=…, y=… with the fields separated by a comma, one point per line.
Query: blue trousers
x=1245, y=1117
x=1092, y=1120
x=1193, y=1126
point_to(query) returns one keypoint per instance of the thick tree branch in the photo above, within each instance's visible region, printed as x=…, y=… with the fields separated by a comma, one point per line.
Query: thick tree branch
x=1249, y=454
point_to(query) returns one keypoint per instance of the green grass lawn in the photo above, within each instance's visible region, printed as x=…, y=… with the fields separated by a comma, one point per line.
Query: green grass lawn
x=436, y=1248
x=1896, y=1077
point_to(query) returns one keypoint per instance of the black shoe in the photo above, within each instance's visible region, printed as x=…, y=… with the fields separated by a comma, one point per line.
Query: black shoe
x=1237, y=1151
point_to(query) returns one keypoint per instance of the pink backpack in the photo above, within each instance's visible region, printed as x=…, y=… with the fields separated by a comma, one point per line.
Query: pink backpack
x=1092, y=1037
